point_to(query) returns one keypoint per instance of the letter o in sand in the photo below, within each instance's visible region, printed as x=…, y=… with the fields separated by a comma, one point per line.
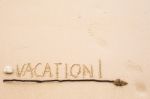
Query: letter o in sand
x=75, y=70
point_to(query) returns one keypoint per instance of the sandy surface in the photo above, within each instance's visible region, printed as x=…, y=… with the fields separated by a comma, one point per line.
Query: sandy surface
x=77, y=31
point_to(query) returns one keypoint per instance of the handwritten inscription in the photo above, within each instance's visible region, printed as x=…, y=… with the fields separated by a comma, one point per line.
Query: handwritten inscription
x=57, y=70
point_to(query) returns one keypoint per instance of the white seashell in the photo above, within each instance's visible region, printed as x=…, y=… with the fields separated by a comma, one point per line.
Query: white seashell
x=8, y=69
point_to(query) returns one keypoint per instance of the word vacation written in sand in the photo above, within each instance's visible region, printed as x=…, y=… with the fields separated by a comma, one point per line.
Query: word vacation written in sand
x=59, y=70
